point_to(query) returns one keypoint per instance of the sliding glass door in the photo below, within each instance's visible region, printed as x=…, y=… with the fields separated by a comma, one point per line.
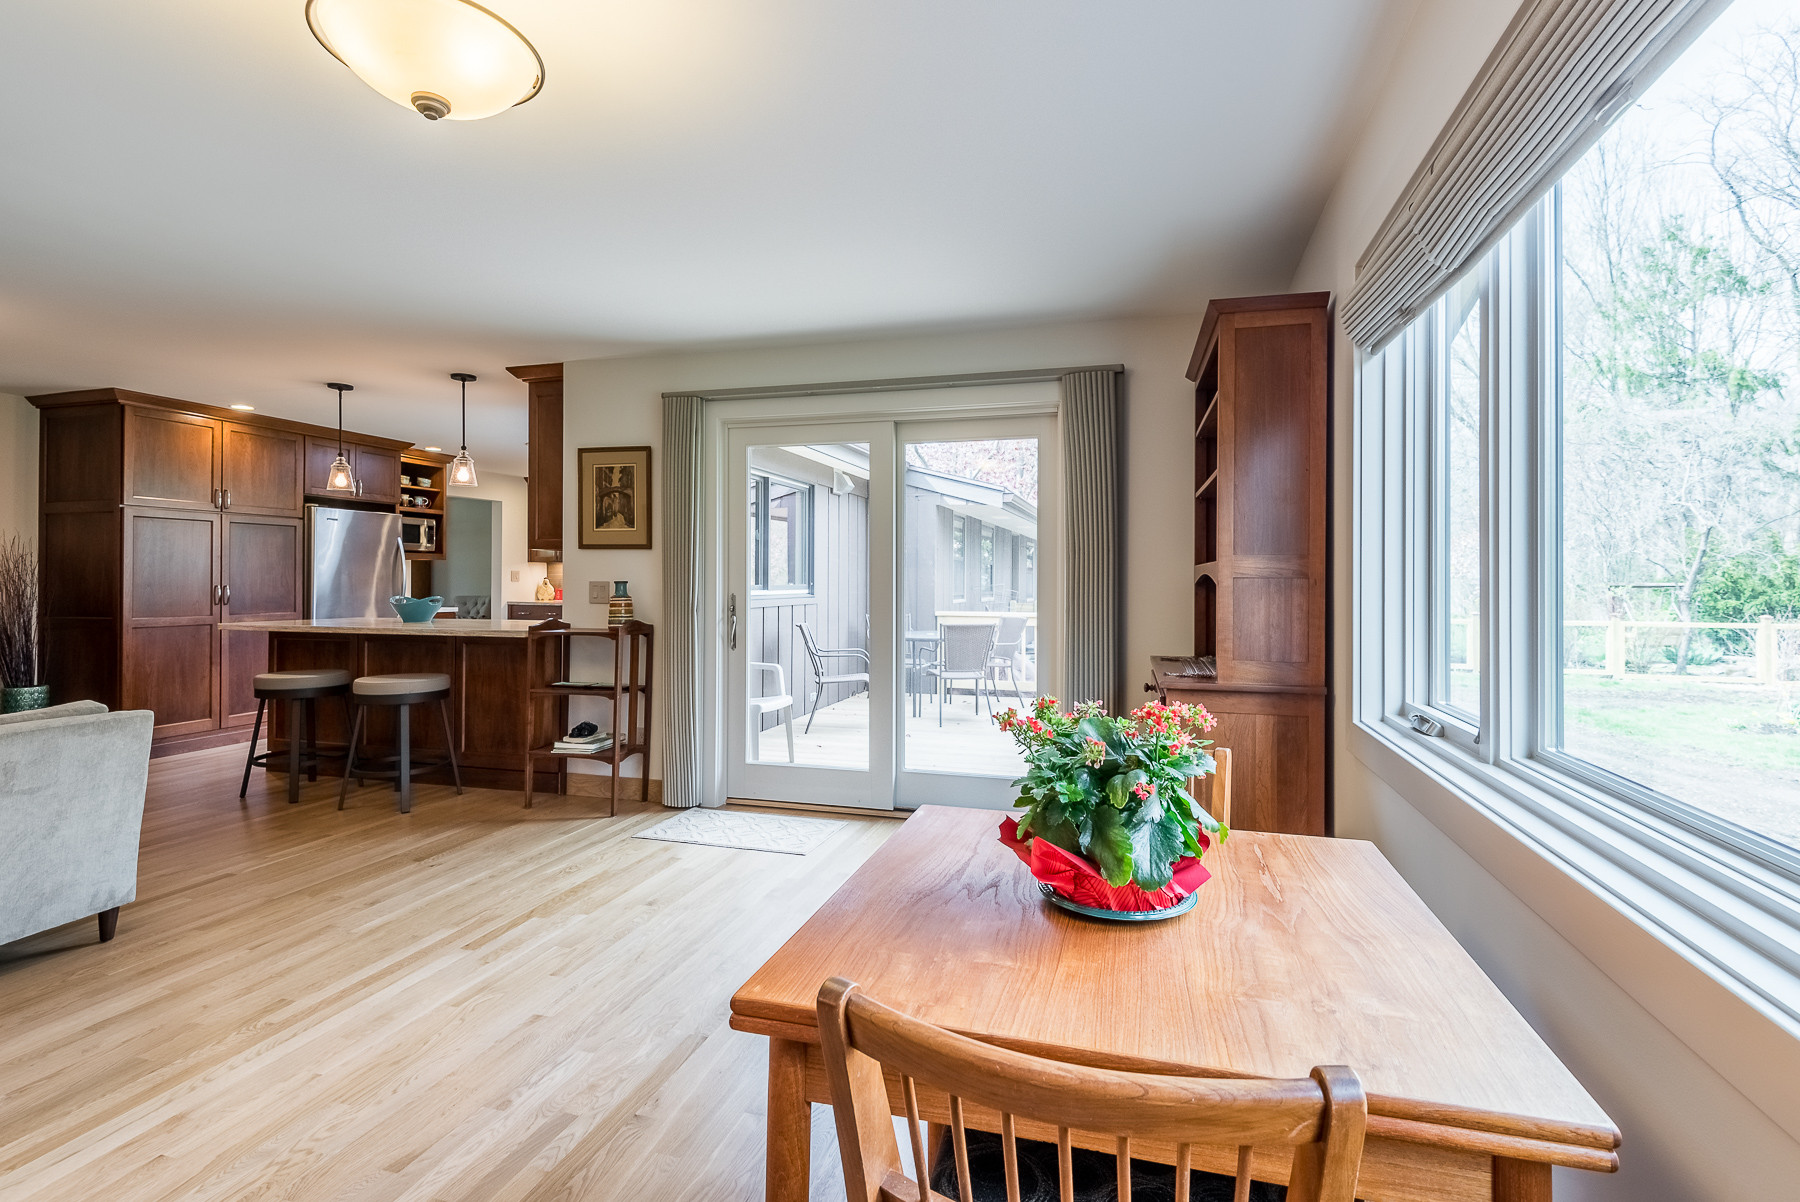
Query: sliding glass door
x=889, y=588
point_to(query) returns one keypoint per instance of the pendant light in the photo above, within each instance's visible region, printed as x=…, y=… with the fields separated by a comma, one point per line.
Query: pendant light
x=338, y=478
x=462, y=468
x=443, y=58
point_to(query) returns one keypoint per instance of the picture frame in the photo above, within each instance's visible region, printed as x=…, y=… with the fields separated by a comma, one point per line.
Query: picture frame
x=614, y=498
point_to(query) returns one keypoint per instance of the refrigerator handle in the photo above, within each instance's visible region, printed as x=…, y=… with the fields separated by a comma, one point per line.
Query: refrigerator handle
x=400, y=566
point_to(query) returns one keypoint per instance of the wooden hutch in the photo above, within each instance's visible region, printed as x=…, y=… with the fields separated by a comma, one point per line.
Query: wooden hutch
x=1262, y=376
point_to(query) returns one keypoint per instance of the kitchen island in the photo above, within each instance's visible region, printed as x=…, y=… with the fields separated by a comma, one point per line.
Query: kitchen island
x=485, y=659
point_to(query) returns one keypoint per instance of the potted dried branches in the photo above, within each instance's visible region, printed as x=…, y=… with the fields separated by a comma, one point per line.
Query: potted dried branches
x=21, y=666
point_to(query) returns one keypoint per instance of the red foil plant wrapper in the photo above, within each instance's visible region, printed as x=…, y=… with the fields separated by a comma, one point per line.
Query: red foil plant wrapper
x=1108, y=820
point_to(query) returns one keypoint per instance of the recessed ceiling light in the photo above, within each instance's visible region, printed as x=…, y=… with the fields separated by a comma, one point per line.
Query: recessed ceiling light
x=443, y=58
x=245, y=408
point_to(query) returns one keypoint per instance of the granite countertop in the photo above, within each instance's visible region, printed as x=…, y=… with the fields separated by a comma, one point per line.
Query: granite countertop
x=464, y=628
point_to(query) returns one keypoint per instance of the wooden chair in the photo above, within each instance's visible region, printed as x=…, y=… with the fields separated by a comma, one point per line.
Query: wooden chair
x=950, y=1078
x=1214, y=792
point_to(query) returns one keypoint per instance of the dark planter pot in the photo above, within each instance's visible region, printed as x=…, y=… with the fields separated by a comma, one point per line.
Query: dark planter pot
x=30, y=697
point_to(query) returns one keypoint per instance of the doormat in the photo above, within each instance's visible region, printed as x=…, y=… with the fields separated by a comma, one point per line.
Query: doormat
x=745, y=831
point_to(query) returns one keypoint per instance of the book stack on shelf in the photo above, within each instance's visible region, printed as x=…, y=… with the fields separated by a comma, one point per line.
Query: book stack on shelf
x=585, y=739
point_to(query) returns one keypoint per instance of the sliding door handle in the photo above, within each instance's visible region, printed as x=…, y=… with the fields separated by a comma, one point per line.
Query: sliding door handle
x=731, y=614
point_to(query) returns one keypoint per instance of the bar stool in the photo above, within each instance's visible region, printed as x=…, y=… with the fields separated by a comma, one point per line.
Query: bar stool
x=303, y=687
x=401, y=690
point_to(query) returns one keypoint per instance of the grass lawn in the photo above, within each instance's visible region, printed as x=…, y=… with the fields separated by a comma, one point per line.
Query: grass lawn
x=1721, y=745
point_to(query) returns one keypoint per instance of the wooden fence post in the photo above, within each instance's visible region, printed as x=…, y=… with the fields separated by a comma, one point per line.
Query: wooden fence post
x=1765, y=649
x=1615, y=648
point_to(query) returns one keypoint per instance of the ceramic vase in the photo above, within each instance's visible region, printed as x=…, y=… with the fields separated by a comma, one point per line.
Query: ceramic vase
x=28, y=697
x=618, y=610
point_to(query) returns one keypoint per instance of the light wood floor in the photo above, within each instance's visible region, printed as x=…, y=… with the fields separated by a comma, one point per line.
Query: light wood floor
x=473, y=1001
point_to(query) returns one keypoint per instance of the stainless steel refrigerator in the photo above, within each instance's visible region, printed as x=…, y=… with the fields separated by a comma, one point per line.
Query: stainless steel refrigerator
x=355, y=562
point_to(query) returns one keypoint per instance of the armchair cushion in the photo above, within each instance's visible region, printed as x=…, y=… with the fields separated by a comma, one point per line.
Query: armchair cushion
x=72, y=784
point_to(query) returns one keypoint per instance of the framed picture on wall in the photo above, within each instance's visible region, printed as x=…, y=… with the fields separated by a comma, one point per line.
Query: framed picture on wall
x=615, y=497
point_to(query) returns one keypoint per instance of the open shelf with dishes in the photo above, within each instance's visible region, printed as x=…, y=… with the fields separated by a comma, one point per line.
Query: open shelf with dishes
x=423, y=477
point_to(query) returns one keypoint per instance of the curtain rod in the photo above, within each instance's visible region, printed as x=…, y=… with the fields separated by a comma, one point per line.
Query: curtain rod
x=899, y=384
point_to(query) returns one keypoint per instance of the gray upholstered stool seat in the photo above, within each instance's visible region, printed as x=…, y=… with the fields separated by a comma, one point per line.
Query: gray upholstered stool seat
x=284, y=684
x=399, y=691
x=399, y=684
x=300, y=688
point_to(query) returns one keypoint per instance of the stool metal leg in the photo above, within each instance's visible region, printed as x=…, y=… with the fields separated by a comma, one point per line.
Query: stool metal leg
x=296, y=741
x=312, y=739
x=350, y=755
x=450, y=744
x=403, y=778
x=255, y=734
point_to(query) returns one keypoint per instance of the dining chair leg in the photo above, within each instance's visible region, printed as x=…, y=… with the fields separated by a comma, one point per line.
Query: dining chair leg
x=255, y=734
x=296, y=741
x=403, y=773
x=450, y=745
x=350, y=755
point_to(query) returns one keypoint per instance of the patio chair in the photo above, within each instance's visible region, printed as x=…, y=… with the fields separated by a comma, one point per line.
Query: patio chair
x=964, y=655
x=1008, y=643
x=818, y=655
x=770, y=703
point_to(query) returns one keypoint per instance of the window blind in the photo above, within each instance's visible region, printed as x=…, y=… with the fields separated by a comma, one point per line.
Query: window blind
x=1562, y=71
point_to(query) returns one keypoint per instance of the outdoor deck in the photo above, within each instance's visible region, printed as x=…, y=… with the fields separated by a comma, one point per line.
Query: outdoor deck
x=968, y=741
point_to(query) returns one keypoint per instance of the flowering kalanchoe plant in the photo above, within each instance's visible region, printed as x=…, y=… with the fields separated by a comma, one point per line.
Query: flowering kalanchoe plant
x=1114, y=790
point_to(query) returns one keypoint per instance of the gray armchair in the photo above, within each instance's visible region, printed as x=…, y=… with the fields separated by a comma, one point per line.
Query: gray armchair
x=72, y=783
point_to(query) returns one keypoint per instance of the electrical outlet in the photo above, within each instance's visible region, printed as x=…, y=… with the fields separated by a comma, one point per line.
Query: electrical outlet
x=596, y=592
x=515, y=575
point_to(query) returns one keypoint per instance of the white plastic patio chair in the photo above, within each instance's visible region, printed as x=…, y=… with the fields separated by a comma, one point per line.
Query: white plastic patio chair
x=770, y=703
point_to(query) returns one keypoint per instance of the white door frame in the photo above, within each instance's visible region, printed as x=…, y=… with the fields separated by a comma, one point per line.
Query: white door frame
x=902, y=404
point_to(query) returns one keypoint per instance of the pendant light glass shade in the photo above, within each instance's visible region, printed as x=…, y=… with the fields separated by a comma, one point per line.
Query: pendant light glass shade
x=338, y=477
x=444, y=58
x=462, y=468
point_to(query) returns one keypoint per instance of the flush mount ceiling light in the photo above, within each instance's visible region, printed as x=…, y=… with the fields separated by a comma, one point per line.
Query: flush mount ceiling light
x=338, y=477
x=462, y=468
x=446, y=58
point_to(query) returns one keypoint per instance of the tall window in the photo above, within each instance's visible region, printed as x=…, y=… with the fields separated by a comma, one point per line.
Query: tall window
x=959, y=558
x=781, y=535
x=1593, y=518
x=987, y=563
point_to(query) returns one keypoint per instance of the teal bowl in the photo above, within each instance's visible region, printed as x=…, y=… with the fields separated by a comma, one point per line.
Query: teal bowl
x=416, y=609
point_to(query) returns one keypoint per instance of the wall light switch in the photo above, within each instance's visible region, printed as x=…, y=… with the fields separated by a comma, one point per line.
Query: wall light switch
x=596, y=592
x=515, y=575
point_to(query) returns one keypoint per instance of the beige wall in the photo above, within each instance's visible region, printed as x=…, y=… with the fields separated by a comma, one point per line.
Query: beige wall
x=615, y=402
x=1700, y=1084
x=18, y=467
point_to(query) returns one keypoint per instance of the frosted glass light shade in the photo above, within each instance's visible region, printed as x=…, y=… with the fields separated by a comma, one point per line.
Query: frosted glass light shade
x=450, y=59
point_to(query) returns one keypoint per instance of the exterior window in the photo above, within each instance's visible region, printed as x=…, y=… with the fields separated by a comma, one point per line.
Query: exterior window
x=987, y=563
x=781, y=519
x=959, y=559
x=1580, y=555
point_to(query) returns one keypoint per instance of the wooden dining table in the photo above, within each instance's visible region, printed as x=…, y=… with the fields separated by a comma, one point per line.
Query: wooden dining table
x=1301, y=951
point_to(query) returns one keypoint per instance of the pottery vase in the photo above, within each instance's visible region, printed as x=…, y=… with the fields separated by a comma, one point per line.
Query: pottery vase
x=618, y=610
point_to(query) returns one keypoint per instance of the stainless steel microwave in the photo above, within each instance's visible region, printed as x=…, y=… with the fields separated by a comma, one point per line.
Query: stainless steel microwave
x=419, y=534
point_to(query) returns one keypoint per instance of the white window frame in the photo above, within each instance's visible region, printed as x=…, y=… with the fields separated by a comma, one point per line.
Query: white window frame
x=1724, y=897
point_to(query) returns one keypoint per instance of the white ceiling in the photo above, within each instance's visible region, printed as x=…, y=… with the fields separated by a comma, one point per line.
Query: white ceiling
x=196, y=199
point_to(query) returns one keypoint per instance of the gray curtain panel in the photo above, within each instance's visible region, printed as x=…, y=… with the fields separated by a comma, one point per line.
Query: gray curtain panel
x=681, y=687
x=1090, y=414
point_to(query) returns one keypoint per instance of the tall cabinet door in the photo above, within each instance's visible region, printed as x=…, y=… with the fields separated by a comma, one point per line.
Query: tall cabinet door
x=171, y=586
x=378, y=474
x=171, y=459
x=262, y=572
x=262, y=469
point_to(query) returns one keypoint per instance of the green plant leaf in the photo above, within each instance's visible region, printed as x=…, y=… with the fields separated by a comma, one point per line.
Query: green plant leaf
x=1109, y=846
x=1155, y=846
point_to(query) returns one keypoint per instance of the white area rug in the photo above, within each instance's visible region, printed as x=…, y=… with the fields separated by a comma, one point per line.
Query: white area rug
x=747, y=831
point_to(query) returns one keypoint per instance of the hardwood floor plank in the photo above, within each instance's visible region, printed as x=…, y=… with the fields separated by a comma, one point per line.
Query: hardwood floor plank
x=471, y=1003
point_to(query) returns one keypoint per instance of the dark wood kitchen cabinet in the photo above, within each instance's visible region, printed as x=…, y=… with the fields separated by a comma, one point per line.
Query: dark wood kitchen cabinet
x=161, y=522
x=544, y=456
x=376, y=470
